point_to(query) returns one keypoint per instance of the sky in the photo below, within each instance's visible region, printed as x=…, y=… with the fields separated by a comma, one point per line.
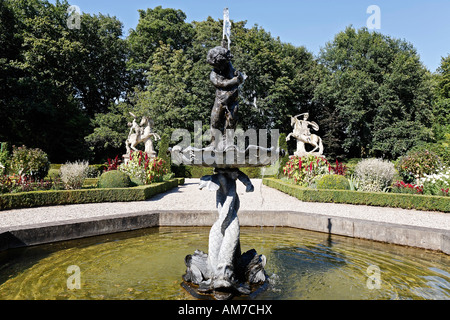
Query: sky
x=308, y=23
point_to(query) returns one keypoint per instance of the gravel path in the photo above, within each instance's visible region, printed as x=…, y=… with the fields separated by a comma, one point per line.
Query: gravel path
x=189, y=197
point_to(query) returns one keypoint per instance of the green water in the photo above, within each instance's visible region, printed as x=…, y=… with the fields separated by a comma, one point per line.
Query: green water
x=148, y=264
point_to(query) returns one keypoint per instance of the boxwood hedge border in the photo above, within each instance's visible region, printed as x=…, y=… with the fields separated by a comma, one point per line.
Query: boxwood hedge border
x=94, y=195
x=380, y=199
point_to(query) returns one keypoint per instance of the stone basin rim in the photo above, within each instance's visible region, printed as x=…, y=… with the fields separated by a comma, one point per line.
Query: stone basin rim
x=397, y=234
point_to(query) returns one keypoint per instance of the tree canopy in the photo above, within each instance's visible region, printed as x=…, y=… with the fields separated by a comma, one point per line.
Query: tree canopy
x=54, y=79
x=70, y=91
x=375, y=93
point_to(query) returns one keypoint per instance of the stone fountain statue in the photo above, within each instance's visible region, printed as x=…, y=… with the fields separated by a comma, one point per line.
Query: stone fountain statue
x=225, y=271
x=142, y=132
x=303, y=135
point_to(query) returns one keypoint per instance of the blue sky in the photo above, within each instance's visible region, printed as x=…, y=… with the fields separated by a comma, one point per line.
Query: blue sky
x=426, y=24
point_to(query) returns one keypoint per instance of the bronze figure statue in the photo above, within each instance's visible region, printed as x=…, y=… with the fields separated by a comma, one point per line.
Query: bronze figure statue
x=227, y=80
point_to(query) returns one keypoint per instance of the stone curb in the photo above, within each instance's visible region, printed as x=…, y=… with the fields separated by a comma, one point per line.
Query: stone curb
x=419, y=237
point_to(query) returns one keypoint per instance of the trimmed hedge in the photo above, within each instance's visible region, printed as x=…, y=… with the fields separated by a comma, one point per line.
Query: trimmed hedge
x=63, y=197
x=381, y=199
x=114, y=179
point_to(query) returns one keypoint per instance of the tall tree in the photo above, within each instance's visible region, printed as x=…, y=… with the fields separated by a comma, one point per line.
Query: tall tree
x=156, y=26
x=56, y=78
x=380, y=92
x=100, y=75
x=167, y=94
x=442, y=99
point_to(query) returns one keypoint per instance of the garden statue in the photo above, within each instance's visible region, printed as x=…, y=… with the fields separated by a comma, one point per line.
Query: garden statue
x=224, y=271
x=141, y=132
x=303, y=135
x=224, y=114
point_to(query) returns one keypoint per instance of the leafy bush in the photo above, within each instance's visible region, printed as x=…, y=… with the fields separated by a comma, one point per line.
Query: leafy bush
x=303, y=170
x=416, y=164
x=334, y=182
x=114, y=179
x=374, y=174
x=440, y=147
x=73, y=174
x=32, y=163
x=53, y=174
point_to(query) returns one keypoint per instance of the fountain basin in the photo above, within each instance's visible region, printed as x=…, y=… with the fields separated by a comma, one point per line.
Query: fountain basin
x=147, y=264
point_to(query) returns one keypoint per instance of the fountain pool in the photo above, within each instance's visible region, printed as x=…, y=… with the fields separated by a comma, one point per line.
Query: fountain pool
x=148, y=264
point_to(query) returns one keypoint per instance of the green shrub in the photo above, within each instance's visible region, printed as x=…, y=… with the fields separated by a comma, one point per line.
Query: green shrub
x=114, y=179
x=53, y=174
x=374, y=175
x=333, y=181
x=32, y=163
x=73, y=174
x=441, y=147
x=416, y=164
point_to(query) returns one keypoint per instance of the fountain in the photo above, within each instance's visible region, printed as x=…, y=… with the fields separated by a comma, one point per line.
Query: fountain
x=224, y=271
